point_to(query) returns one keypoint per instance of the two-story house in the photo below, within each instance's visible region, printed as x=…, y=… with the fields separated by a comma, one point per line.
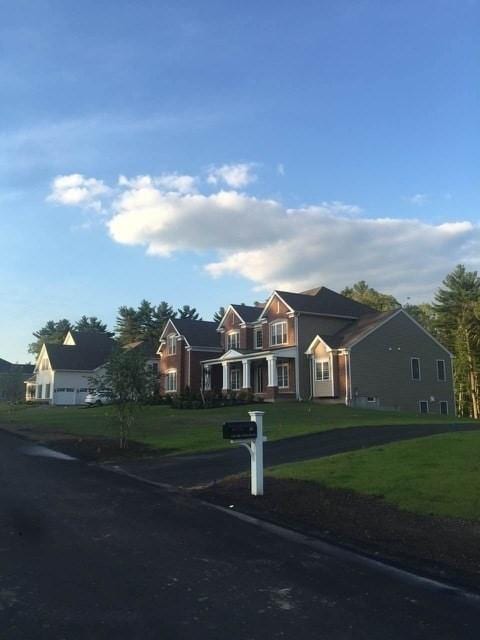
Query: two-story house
x=324, y=346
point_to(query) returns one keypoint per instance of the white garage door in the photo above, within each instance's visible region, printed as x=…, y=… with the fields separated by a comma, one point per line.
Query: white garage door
x=64, y=396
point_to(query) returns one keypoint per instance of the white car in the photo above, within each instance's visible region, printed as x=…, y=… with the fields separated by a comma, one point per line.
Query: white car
x=97, y=398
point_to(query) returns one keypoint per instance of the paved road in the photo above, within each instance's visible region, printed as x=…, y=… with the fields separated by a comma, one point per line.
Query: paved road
x=194, y=470
x=87, y=553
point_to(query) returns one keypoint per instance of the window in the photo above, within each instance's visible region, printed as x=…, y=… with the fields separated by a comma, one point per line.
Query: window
x=415, y=366
x=233, y=340
x=278, y=333
x=39, y=390
x=423, y=406
x=207, y=379
x=444, y=407
x=322, y=370
x=258, y=338
x=282, y=375
x=69, y=389
x=47, y=391
x=171, y=381
x=371, y=399
x=172, y=344
x=59, y=390
x=154, y=367
x=234, y=379
x=83, y=390
x=44, y=364
x=441, y=373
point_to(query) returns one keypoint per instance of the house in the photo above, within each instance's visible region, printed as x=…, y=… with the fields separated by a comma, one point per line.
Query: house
x=63, y=372
x=320, y=345
x=184, y=343
x=12, y=379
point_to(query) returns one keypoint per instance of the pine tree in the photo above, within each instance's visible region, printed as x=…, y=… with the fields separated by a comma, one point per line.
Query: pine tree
x=218, y=315
x=91, y=323
x=127, y=327
x=53, y=332
x=188, y=312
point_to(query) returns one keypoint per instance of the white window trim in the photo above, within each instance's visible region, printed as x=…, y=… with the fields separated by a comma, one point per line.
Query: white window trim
x=169, y=373
x=419, y=369
x=283, y=365
x=235, y=373
x=444, y=379
x=255, y=333
x=440, y=407
x=321, y=361
x=420, y=406
x=230, y=335
x=171, y=344
x=276, y=324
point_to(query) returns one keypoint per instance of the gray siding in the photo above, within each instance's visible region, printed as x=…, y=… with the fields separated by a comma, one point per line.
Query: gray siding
x=308, y=327
x=381, y=368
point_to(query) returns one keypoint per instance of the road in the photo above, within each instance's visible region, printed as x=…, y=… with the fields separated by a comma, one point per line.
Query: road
x=88, y=553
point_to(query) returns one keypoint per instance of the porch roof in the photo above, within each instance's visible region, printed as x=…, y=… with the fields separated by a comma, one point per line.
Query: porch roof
x=235, y=355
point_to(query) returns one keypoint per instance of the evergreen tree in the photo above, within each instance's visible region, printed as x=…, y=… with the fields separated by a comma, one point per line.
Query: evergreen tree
x=53, y=332
x=188, y=312
x=127, y=327
x=91, y=323
x=218, y=315
x=361, y=292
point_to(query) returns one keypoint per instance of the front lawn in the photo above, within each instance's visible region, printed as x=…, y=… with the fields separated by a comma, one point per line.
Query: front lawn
x=187, y=431
x=438, y=475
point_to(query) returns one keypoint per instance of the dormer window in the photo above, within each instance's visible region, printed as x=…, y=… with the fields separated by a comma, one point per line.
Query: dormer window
x=233, y=340
x=278, y=333
x=44, y=364
x=172, y=344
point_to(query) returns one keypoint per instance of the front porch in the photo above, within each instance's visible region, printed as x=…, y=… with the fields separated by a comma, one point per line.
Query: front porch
x=269, y=375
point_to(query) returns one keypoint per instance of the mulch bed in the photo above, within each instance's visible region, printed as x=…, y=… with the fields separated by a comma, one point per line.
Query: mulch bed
x=442, y=548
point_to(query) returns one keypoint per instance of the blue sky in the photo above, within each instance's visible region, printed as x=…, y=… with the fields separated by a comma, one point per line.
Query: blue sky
x=284, y=144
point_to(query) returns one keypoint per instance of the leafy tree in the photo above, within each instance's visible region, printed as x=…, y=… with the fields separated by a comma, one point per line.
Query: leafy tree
x=457, y=320
x=188, y=312
x=218, y=315
x=53, y=332
x=128, y=382
x=361, y=292
x=91, y=323
x=424, y=314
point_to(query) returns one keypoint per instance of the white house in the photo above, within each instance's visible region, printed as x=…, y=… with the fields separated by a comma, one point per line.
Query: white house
x=63, y=371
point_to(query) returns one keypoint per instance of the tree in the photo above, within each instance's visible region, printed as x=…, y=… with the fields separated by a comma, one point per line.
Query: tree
x=161, y=315
x=127, y=327
x=188, y=312
x=424, y=314
x=53, y=332
x=91, y=323
x=218, y=315
x=361, y=292
x=128, y=382
x=457, y=320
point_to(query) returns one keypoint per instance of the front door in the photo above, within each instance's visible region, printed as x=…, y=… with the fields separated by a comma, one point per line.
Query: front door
x=258, y=382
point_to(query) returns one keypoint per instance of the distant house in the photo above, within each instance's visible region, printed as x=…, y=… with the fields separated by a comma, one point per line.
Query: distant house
x=12, y=379
x=63, y=371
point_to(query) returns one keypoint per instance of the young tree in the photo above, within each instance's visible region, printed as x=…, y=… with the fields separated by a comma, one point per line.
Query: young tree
x=91, y=323
x=129, y=383
x=218, y=315
x=361, y=292
x=456, y=305
x=188, y=312
x=53, y=332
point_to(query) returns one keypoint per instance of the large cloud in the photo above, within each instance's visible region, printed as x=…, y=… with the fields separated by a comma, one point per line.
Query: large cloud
x=272, y=246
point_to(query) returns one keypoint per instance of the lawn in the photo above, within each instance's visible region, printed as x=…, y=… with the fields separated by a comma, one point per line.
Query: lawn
x=187, y=431
x=437, y=475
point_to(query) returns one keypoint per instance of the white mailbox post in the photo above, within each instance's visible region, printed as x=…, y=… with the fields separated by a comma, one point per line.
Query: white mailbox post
x=252, y=438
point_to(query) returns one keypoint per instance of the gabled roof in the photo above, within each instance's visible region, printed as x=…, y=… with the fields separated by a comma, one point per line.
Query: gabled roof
x=197, y=333
x=359, y=329
x=5, y=365
x=91, y=349
x=323, y=301
x=147, y=348
x=246, y=312
x=8, y=367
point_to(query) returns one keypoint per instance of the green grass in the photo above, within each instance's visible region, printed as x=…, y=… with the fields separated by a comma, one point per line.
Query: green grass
x=187, y=431
x=437, y=475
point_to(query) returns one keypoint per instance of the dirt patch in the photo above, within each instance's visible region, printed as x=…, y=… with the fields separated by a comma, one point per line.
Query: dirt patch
x=444, y=548
x=102, y=449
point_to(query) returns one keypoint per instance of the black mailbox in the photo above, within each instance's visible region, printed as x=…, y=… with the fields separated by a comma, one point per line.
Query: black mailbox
x=245, y=430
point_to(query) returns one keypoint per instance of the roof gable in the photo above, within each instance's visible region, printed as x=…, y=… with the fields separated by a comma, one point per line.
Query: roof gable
x=197, y=333
x=90, y=350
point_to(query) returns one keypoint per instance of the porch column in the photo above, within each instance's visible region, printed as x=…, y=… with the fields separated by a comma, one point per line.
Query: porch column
x=246, y=374
x=272, y=371
x=226, y=381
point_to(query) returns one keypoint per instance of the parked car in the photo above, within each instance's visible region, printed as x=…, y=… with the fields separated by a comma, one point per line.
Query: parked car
x=96, y=398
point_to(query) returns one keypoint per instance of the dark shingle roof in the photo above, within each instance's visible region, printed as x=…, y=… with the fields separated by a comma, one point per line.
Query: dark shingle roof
x=326, y=302
x=247, y=313
x=5, y=365
x=198, y=333
x=8, y=367
x=91, y=349
x=147, y=348
x=357, y=329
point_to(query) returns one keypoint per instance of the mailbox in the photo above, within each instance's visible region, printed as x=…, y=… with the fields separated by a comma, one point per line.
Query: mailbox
x=246, y=430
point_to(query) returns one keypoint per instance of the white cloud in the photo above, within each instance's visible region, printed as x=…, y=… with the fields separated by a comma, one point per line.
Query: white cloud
x=281, y=169
x=233, y=175
x=419, y=199
x=331, y=243
x=77, y=190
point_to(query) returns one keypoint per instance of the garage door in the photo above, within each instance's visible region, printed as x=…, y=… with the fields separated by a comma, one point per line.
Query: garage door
x=64, y=396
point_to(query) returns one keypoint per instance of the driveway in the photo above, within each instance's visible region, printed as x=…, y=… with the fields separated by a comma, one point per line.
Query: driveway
x=201, y=469
x=87, y=553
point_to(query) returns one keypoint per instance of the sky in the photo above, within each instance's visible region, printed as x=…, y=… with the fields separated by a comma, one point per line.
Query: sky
x=208, y=152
